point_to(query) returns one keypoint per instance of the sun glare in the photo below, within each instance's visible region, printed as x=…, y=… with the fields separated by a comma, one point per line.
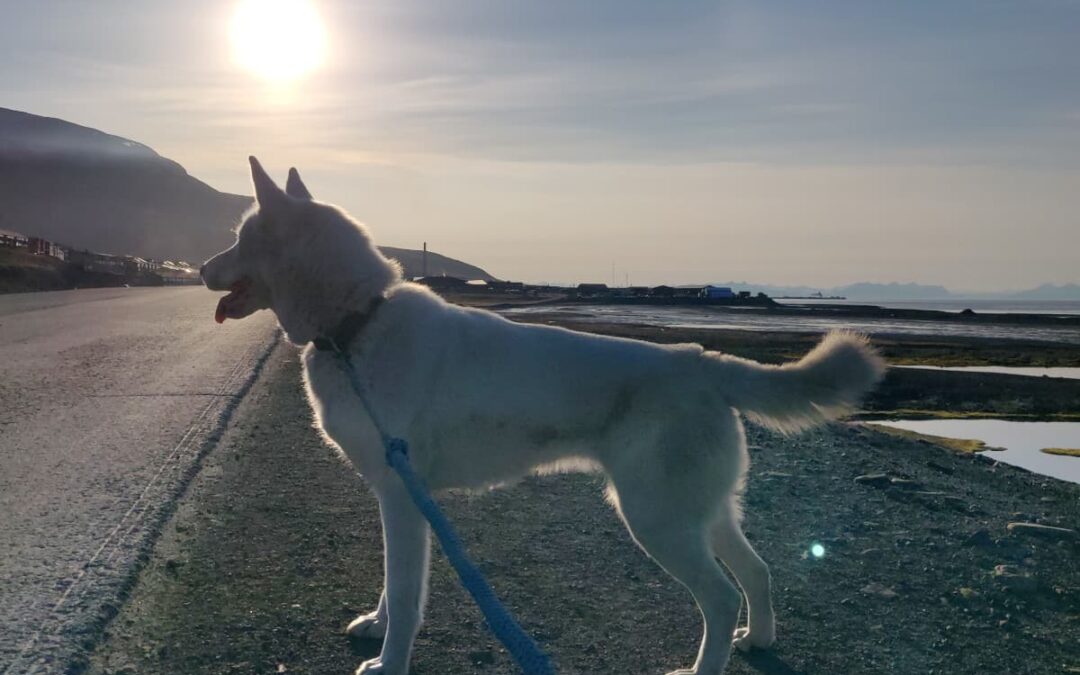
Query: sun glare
x=278, y=40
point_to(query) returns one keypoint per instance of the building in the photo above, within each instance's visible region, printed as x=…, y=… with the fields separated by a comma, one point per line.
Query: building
x=177, y=273
x=507, y=286
x=590, y=290
x=39, y=246
x=444, y=284
x=11, y=239
x=135, y=265
x=98, y=262
x=687, y=292
x=716, y=292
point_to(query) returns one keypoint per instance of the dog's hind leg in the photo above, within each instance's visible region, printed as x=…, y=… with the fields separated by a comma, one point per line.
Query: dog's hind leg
x=407, y=552
x=370, y=626
x=678, y=542
x=752, y=573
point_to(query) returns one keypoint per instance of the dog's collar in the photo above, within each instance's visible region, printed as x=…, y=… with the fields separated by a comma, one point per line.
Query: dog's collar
x=338, y=339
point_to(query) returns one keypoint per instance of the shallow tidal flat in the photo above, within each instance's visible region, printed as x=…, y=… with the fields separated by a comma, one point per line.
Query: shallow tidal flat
x=906, y=392
x=909, y=395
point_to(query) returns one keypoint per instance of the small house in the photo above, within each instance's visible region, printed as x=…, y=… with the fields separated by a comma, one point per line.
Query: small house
x=716, y=292
x=11, y=239
x=590, y=290
x=444, y=283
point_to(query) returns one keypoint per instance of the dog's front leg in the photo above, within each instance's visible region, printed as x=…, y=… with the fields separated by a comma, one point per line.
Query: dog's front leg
x=407, y=551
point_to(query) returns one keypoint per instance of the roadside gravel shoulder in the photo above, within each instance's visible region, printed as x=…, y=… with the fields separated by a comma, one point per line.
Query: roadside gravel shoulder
x=276, y=546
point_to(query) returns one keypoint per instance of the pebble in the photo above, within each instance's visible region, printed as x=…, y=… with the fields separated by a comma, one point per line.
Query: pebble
x=1011, y=579
x=874, y=588
x=874, y=479
x=905, y=484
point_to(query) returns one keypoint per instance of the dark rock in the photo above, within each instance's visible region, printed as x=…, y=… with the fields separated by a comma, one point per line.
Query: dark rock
x=482, y=658
x=874, y=588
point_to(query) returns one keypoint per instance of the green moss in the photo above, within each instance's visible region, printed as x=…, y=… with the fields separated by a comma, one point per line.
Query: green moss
x=922, y=414
x=1065, y=452
x=963, y=445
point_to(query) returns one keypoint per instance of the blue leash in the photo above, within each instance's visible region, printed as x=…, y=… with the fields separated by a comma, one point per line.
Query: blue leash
x=529, y=657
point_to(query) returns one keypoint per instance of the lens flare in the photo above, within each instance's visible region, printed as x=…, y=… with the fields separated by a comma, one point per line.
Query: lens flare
x=817, y=550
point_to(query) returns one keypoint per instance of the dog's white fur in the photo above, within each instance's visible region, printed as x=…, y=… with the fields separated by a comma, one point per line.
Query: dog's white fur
x=482, y=400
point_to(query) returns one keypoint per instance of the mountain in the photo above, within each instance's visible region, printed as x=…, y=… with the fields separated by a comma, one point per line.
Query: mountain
x=437, y=265
x=88, y=189
x=1049, y=292
x=91, y=190
x=894, y=291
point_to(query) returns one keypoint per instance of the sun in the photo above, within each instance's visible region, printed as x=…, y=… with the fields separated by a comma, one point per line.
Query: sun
x=281, y=41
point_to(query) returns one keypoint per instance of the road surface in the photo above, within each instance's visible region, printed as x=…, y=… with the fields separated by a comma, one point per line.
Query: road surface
x=108, y=398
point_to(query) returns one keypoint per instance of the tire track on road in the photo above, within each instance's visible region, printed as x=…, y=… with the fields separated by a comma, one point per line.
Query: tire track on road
x=144, y=518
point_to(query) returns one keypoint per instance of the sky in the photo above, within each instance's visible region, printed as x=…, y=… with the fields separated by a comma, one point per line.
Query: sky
x=652, y=142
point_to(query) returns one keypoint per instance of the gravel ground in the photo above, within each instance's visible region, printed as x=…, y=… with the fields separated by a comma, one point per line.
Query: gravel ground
x=276, y=546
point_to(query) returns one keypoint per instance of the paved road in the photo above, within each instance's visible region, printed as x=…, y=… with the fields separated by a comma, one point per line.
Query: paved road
x=108, y=398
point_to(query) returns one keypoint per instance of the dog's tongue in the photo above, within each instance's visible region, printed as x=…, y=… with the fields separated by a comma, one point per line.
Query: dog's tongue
x=222, y=311
x=219, y=313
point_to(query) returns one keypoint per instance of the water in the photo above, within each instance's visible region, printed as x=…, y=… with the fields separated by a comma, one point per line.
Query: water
x=1066, y=373
x=1051, y=307
x=754, y=318
x=1022, y=441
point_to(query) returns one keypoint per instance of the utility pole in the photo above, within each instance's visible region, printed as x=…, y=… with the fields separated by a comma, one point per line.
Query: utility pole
x=423, y=266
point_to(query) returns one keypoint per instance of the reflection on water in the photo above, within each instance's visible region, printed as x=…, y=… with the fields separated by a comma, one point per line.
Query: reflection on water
x=1022, y=441
x=757, y=319
x=1066, y=373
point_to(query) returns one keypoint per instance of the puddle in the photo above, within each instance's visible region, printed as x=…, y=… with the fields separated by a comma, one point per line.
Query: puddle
x=1022, y=441
x=1067, y=373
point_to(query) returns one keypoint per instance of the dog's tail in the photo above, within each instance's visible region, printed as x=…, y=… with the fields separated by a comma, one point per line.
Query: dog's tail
x=826, y=383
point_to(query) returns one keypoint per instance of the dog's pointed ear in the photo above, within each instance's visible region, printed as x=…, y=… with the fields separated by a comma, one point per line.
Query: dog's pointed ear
x=267, y=193
x=295, y=187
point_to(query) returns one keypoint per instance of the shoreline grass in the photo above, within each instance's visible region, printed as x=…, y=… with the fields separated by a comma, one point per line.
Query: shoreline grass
x=923, y=414
x=1063, y=452
x=960, y=445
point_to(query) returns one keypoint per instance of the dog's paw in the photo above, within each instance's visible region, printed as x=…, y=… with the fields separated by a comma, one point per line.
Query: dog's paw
x=367, y=627
x=744, y=640
x=376, y=667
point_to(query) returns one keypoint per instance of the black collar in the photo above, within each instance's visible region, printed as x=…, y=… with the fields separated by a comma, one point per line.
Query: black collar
x=346, y=331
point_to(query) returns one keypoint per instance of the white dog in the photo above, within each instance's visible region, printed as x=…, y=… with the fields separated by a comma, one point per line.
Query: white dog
x=482, y=401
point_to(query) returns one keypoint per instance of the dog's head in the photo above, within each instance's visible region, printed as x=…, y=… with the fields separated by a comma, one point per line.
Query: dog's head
x=307, y=262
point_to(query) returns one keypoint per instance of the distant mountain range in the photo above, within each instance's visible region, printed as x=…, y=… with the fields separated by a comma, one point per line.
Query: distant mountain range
x=909, y=291
x=1049, y=292
x=88, y=189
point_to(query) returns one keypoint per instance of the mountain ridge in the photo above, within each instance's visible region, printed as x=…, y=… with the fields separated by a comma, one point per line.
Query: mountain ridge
x=89, y=189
